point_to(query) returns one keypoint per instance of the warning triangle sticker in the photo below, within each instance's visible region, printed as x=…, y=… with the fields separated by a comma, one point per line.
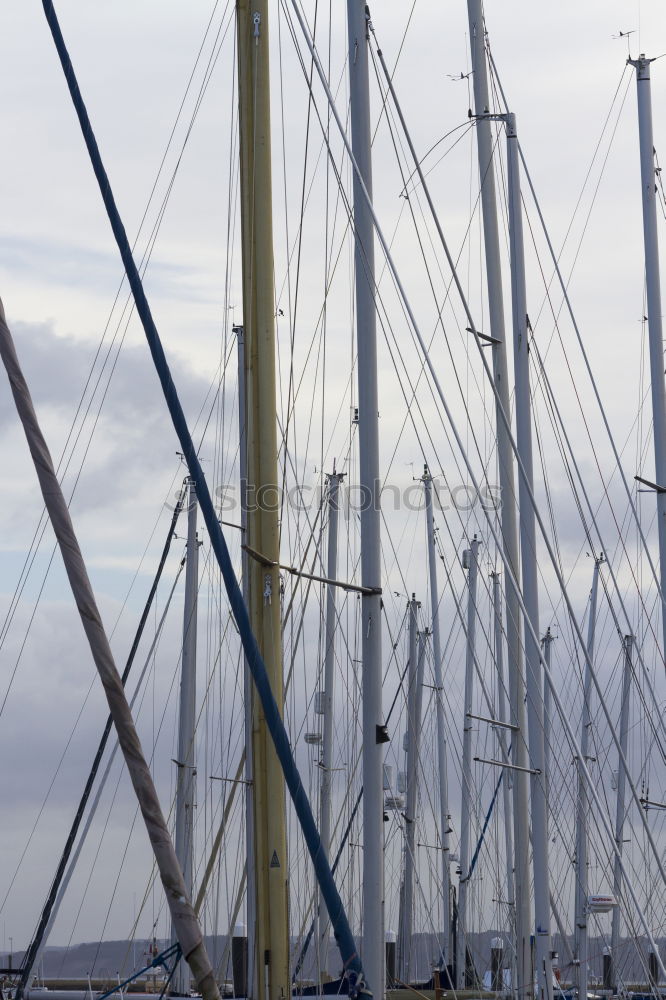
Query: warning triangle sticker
x=274, y=861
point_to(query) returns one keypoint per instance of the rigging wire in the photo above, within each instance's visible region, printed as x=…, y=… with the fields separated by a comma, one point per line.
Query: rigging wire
x=473, y=479
x=583, y=352
x=35, y=945
x=41, y=527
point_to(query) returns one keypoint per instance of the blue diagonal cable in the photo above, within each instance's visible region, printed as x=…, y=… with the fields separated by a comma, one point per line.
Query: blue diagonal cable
x=338, y=917
x=485, y=826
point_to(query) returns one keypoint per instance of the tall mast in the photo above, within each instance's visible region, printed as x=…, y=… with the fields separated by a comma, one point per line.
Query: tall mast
x=534, y=685
x=334, y=480
x=547, y=642
x=653, y=289
x=374, y=733
x=442, y=767
x=620, y=808
x=186, y=782
x=271, y=950
x=582, y=889
x=247, y=679
x=522, y=986
x=506, y=782
x=414, y=703
x=470, y=563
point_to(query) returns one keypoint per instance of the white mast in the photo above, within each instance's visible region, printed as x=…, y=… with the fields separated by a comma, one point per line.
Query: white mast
x=620, y=809
x=582, y=889
x=186, y=782
x=547, y=642
x=470, y=563
x=247, y=679
x=411, y=745
x=404, y=924
x=334, y=480
x=534, y=683
x=442, y=766
x=506, y=781
x=653, y=289
x=374, y=732
x=522, y=985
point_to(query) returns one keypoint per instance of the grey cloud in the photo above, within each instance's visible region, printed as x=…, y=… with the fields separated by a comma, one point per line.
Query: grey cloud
x=133, y=439
x=69, y=264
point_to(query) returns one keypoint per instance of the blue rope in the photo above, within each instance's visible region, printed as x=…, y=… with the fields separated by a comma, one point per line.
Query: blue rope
x=336, y=862
x=173, y=951
x=171, y=971
x=485, y=826
x=338, y=917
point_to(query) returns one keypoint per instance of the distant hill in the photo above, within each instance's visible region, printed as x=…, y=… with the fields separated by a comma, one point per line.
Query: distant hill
x=106, y=959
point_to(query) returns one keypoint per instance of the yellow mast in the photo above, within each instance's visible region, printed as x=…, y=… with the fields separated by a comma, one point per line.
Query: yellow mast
x=271, y=953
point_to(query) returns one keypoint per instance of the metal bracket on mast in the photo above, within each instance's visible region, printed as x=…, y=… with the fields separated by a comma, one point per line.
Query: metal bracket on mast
x=642, y=65
x=265, y=561
x=512, y=767
x=483, y=336
x=652, y=486
x=494, y=722
x=650, y=804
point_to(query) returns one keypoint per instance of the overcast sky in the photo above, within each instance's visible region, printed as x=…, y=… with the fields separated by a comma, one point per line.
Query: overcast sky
x=560, y=66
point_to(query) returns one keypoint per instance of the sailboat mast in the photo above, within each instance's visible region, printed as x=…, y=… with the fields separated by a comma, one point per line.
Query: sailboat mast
x=334, y=480
x=653, y=291
x=534, y=684
x=186, y=783
x=442, y=766
x=506, y=782
x=522, y=986
x=470, y=563
x=247, y=679
x=411, y=746
x=582, y=889
x=374, y=732
x=620, y=809
x=271, y=950
x=547, y=642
